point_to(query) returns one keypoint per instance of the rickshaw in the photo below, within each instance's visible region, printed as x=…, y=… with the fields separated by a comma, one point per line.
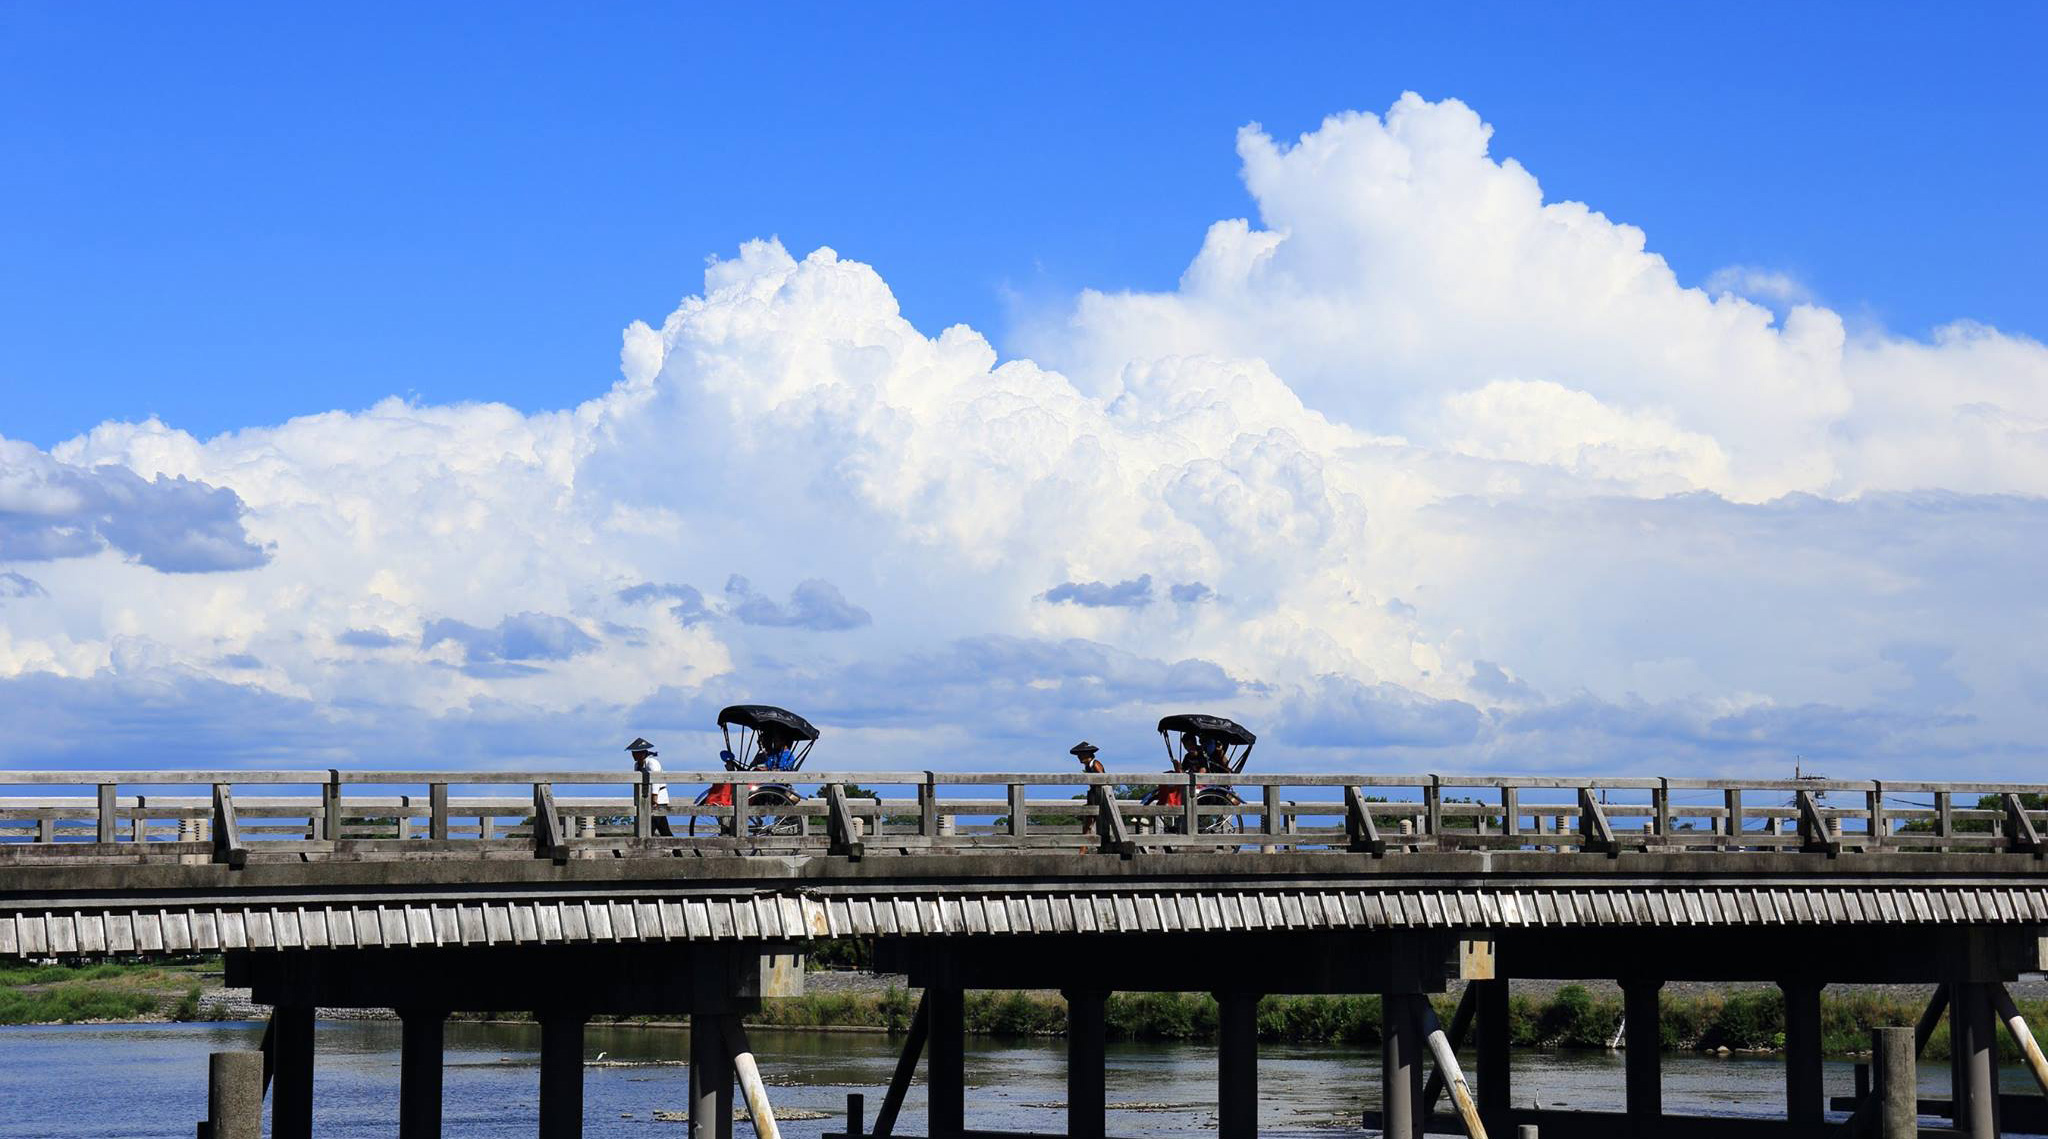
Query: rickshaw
x=1207, y=745
x=770, y=739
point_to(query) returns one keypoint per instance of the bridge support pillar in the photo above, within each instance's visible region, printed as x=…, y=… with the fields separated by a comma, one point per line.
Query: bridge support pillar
x=946, y=1061
x=1973, y=1060
x=1237, y=1065
x=1805, y=1095
x=1492, y=1014
x=291, y=1092
x=1400, y=1067
x=419, y=1073
x=561, y=1074
x=1643, y=1063
x=710, y=1079
x=1087, y=1087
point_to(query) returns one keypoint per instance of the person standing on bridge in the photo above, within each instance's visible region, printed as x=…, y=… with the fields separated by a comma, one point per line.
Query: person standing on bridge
x=643, y=760
x=1085, y=752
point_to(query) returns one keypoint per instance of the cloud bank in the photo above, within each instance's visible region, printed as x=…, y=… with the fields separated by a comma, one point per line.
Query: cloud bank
x=1416, y=469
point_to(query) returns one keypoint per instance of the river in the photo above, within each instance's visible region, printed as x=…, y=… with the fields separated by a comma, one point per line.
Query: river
x=149, y=1081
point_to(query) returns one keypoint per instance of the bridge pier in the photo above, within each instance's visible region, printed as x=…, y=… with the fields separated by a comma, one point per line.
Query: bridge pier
x=1643, y=1062
x=711, y=1077
x=1400, y=1067
x=561, y=1074
x=1973, y=1060
x=1237, y=1065
x=1805, y=1094
x=946, y=1061
x=420, y=1064
x=1492, y=1016
x=291, y=1087
x=1087, y=1089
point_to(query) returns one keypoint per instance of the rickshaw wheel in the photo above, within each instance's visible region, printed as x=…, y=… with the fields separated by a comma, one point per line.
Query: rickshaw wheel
x=772, y=824
x=1220, y=824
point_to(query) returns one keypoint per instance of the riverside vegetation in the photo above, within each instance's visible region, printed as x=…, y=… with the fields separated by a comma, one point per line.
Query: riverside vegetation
x=1570, y=1017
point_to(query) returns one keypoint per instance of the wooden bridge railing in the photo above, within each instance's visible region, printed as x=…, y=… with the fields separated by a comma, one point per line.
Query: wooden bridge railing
x=228, y=814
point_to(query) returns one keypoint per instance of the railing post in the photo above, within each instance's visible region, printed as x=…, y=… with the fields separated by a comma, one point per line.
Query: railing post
x=547, y=824
x=1433, y=808
x=839, y=823
x=227, y=833
x=928, y=806
x=437, y=812
x=1018, y=826
x=1944, y=820
x=106, y=813
x=330, y=807
x=1190, y=811
x=1733, y=798
x=1874, y=800
x=1511, y=811
x=1269, y=821
x=140, y=825
x=1660, y=809
x=643, y=806
x=405, y=816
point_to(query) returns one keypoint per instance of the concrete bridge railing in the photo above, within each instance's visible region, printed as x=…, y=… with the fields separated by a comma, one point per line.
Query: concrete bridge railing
x=230, y=815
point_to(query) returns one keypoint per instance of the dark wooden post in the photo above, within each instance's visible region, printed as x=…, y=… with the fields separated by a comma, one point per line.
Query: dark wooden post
x=1896, y=1085
x=946, y=1059
x=419, y=1073
x=1087, y=1089
x=710, y=1079
x=561, y=1074
x=291, y=1090
x=1237, y=1065
x=106, y=813
x=1805, y=1096
x=1643, y=1062
x=330, y=807
x=1400, y=1068
x=437, y=812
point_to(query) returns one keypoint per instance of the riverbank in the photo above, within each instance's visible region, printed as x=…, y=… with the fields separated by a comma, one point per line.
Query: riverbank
x=1694, y=1017
x=102, y=993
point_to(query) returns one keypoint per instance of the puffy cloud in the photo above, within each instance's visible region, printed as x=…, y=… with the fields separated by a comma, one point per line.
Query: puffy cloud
x=51, y=509
x=520, y=637
x=17, y=585
x=1430, y=470
x=1135, y=593
x=814, y=604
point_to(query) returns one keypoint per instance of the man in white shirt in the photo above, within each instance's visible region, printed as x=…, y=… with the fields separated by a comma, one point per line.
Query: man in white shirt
x=643, y=760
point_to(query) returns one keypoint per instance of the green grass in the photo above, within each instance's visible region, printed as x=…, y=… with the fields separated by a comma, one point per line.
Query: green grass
x=68, y=1004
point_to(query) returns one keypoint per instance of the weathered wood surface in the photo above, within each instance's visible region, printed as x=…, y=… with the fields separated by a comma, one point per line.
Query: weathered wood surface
x=993, y=811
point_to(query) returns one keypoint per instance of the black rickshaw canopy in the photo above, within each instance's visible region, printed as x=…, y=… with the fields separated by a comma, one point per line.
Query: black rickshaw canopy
x=767, y=717
x=1214, y=727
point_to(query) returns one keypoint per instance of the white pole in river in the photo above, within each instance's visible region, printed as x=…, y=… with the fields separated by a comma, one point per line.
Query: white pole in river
x=743, y=1066
x=1447, y=1064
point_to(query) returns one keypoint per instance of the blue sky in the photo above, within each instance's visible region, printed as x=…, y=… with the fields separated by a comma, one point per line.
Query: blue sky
x=230, y=215
x=1533, y=386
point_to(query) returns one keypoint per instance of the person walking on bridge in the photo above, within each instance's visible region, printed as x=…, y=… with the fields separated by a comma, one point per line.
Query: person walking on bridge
x=643, y=760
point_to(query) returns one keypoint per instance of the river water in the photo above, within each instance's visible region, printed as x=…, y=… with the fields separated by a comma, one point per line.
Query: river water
x=149, y=1081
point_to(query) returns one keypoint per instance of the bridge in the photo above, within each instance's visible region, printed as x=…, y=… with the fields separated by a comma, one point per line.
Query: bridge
x=433, y=892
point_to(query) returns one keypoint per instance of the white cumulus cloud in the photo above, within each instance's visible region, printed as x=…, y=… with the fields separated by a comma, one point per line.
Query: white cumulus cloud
x=1419, y=467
